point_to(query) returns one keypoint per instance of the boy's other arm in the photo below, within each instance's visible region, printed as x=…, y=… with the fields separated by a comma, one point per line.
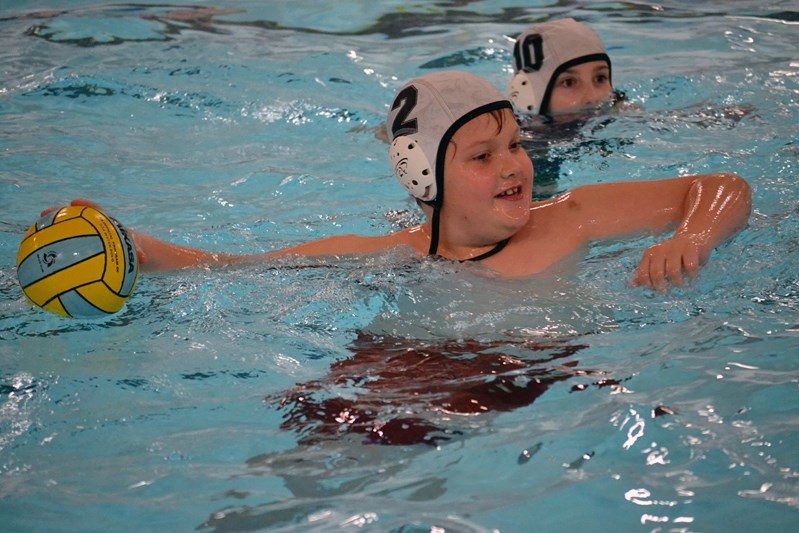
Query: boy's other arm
x=706, y=210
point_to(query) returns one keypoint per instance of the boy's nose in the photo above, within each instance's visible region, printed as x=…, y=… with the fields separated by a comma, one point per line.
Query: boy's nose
x=511, y=166
x=595, y=95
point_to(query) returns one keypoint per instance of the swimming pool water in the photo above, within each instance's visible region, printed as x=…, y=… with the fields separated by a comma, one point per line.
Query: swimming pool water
x=238, y=400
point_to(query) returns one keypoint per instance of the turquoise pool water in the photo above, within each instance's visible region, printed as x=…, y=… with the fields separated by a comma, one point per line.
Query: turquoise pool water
x=238, y=400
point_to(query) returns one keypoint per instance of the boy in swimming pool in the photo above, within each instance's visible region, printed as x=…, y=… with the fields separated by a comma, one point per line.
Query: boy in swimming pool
x=456, y=149
x=560, y=66
x=562, y=76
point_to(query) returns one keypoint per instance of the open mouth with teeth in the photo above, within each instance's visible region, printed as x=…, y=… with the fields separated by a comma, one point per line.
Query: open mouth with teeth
x=514, y=191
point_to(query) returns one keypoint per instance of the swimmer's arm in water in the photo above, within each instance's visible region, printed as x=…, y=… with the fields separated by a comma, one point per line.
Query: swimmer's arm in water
x=706, y=210
x=156, y=255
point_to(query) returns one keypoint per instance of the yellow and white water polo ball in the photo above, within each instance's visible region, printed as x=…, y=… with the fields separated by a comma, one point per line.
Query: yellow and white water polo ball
x=77, y=262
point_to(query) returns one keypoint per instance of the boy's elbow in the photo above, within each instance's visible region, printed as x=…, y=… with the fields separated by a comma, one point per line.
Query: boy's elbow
x=737, y=181
x=736, y=189
x=743, y=189
x=727, y=178
x=735, y=186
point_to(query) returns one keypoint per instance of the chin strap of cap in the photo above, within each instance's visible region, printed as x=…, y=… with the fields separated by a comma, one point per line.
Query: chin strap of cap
x=495, y=250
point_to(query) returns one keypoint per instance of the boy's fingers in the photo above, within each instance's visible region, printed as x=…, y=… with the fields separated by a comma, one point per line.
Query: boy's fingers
x=674, y=272
x=77, y=201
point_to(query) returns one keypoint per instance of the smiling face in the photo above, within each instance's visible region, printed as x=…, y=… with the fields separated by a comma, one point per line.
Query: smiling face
x=488, y=180
x=583, y=85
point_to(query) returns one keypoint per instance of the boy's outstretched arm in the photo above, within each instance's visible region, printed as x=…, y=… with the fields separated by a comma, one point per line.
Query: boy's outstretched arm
x=156, y=255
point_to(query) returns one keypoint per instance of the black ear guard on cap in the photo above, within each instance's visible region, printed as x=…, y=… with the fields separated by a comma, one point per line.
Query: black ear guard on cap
x=522, y=93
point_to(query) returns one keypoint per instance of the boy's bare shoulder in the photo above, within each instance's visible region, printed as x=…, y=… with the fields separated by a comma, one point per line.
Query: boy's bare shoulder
x=566, y=216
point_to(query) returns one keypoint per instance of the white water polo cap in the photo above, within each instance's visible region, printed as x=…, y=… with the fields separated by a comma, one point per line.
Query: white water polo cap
x=542, y=52
x=424, y=116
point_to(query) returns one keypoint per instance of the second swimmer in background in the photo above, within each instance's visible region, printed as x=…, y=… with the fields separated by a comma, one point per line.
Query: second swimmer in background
x=562, y=77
